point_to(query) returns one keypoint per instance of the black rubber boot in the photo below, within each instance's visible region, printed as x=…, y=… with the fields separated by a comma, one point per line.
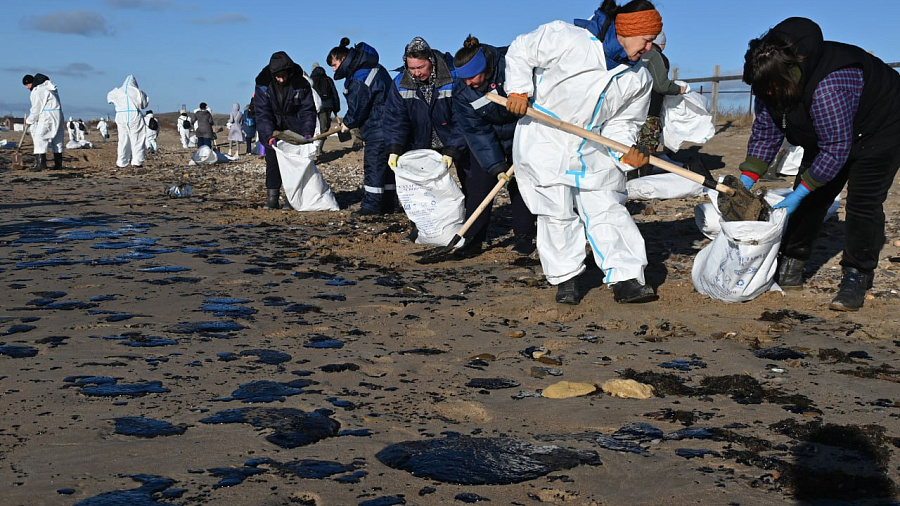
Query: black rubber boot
x=57, y=160
x=272, y=199
x=524, y=244
x=631, y=291
x=40, y=163
x=852, y=292
x=789, y=275
x=567, y=292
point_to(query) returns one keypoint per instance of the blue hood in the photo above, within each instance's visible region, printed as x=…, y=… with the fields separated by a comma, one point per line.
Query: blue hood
x=615, y=53
x=362, y=56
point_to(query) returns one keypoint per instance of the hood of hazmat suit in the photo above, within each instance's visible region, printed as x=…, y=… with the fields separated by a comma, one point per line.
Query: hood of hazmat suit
x=129, y=100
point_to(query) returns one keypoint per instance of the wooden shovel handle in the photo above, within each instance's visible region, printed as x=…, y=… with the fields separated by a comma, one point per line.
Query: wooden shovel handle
x=485, y=203
x=599, y=139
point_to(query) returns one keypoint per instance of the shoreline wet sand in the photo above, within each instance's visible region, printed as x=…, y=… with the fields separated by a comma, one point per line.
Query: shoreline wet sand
x=204, y=350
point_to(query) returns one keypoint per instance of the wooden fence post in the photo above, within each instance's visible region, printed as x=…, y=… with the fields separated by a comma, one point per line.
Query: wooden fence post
x=715, y=95
x=675, y=73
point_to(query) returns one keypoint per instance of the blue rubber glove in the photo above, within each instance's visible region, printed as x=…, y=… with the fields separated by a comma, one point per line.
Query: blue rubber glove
x=793, y=199
x=748, y=181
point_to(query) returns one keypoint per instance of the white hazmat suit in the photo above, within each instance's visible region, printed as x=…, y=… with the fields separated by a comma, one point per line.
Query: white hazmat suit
x=71, y=129
x=184, y=133
x=129, y=100
x=46, y=117
x=103, y=127
x=563, y=68
x=151, y=133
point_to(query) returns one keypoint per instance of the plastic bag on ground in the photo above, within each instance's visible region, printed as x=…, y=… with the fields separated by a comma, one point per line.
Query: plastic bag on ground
x=304, y=186
x=79, y=145
x=686, y=118
x=431, y=198
x=740, y=263
x=663, y=186
x=204, y=155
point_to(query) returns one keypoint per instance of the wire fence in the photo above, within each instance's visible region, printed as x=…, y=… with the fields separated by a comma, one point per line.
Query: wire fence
x=715, y=88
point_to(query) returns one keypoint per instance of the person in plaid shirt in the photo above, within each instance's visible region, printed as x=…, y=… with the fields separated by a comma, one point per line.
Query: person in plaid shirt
x=840, y=104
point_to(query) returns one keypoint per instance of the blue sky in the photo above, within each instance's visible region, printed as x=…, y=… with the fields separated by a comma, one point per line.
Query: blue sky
x=185, y=52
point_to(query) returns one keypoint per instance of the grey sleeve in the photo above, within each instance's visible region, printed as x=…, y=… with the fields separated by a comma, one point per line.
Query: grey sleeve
x=661, y=82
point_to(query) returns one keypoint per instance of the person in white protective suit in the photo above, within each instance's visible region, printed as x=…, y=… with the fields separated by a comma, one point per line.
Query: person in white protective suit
x=103, y=128
x=72, y=129
x=129, y=100
x=46, y=120
x=592, y=79
x=152, y=133
x=80, y=130
x=185, y=127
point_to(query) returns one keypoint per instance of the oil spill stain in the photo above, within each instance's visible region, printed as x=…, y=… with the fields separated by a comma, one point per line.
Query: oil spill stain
x=267, y=391
x=105, y=386
x=152, y=490
x=320, y=341
x=290, y=428
x=481, y=461
x=15, y=351
x=146, y=427
x=270, y=357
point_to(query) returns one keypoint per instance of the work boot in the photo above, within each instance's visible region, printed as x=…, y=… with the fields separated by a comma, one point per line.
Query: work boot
x=272, y=199
x=57, y=160
x=524, y=244
x=631, y=291
x=40, y=163
x=469, y=249
x=567, y=292
x=789, y=275
x=852, y=292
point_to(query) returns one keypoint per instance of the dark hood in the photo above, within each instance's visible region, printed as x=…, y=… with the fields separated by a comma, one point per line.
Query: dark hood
x=317, y=72
x=807, y=38
x=40, y=79
x=362, y=56
x=442, y=72
x=280, y=61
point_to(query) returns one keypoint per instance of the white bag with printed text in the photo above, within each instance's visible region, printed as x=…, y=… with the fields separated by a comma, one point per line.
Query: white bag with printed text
x=431, y=198
x=740, y=263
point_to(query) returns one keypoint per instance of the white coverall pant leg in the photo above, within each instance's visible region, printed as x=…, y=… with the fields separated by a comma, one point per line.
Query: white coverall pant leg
x=131, y=147
x=185, y=138
x=151, y=143
x=560, y=231
x=614, y=237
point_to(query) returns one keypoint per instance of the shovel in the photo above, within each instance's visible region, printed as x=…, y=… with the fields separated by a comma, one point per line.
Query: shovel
x=435, y=255
x=17, y=163
x=292, y=137
x=599, y=139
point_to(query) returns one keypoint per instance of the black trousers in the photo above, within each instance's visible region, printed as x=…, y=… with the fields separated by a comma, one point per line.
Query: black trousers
x=273, y=173
x=476, y=185
x=868, y=178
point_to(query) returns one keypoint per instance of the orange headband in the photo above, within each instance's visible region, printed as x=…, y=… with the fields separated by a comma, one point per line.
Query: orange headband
x=630, y=24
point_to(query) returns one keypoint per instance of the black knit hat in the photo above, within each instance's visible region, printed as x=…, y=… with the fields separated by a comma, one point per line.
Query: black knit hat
x=28, y=79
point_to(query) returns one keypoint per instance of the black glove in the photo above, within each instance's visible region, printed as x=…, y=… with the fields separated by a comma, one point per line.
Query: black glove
x=498, y=169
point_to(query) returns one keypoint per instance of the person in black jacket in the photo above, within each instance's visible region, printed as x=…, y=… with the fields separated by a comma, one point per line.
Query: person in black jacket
x=488, y=129
x=840, y=104
x=331, y=101
x=366, y=85
x=283, y=100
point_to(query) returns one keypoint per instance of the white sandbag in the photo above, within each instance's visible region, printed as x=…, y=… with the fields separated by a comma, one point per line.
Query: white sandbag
x=740, y=263
x=79, y=145
x=304, y=186
x=708, y=218
x=787, y=163
x=204, y=155
x=663, y=186
x=685, y=118
x=431, y=198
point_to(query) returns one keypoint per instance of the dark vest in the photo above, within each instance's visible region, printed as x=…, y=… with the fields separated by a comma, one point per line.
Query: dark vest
x=877, y=120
